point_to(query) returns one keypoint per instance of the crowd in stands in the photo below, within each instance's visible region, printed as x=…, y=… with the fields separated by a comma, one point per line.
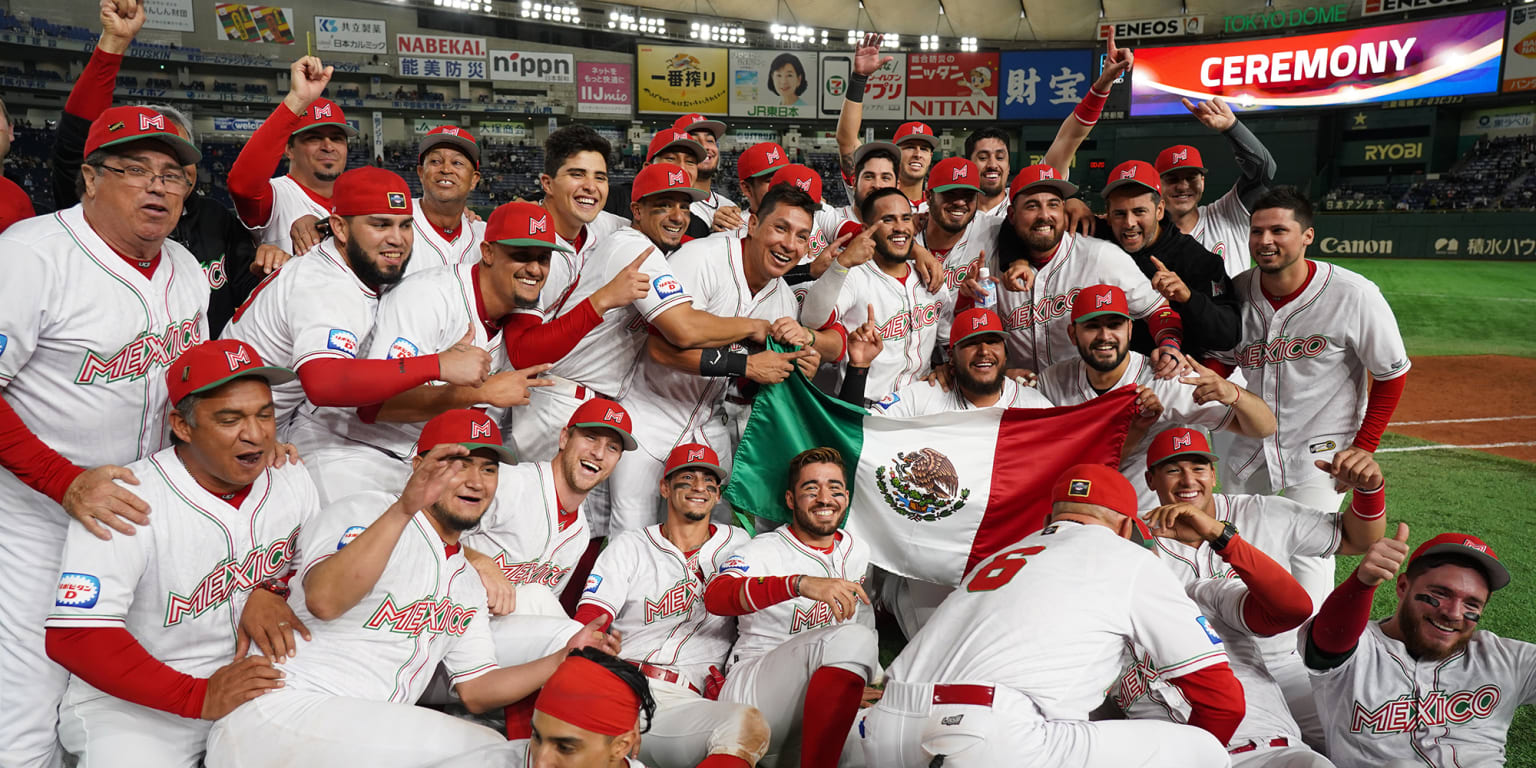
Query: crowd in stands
x=1496, y=173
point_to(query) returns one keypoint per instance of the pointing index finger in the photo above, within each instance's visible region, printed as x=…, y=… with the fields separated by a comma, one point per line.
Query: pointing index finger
x=1158, y=264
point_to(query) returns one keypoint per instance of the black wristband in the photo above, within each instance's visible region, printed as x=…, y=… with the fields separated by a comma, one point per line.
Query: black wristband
x=721, y=361
x=1228, y=532
x=856, y=83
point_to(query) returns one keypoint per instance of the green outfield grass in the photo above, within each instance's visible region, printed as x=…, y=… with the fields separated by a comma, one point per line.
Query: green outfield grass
x=1458, y=307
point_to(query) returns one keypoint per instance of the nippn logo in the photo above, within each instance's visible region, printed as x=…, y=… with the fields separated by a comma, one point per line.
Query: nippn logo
x=677, y=179
x=238, y=358
x=541, y=224
x=322, y=111
x=146, y=122
x=479, y=429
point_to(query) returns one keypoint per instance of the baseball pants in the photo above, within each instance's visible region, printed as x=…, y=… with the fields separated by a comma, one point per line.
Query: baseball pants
x=291, y=728
x=1262, y=755
x=107, y=732
x=343, y=471
x=31, y=685
x=907, y=730
x=911, y=601
x=776, y=683
x=688, y=728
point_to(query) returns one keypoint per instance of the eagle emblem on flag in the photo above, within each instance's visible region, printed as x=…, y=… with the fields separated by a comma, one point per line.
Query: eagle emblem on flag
x=922, y=485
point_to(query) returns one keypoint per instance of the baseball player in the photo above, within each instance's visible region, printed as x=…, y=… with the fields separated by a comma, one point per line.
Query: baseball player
x=915, y=140
x=673, y=147
x=1101, y=330
x=98, y=303
x=716, y=210
x=873, y=273
x=1012, y=663
x=314, y=316
x=387, y=595
x=1222, y=226
x=448, y=165
x=684, y=392
x=804, y=651
x=1314, y=335
x=988, y=149
x=755, y=167
x=1075, y=127
x=1181, y=472
x=649, y=584
x=954, y=234
x=316, y=134
x=1423, y=686
x=147, y=624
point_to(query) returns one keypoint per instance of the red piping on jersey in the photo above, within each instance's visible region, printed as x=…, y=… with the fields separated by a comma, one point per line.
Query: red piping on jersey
x=492, y=327
x=1279, y=301
x=31, y=460
x=447, y=234
x=113, y=661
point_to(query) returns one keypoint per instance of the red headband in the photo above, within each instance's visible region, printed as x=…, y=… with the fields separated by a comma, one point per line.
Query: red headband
x=588, y=696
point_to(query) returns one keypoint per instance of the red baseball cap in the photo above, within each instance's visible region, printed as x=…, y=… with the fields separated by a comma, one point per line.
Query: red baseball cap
x=120, y=125
x=519, y=223
x=695, y=455
x=975, y=321
x=599, y=412
x=1179, y=156
x=668, y=138
x=758, y=159
x=1098, y=300
x=872, y=146
x=1096, y=484
x=213, y=364
x=1468, y=546
x=453, y=136
x=798, y=176
x=1134, y=172
x=916, y=131
x=1178, y=441
x=693, y=122
x=368, y=190
x=1040, y=176
x=323, y=112
x=468, y=427
x=954, y=173
x=657, y=178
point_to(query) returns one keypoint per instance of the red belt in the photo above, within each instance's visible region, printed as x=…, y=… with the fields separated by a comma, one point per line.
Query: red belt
x=1252, y=745
x=665, y=675
x=980, y=695
x=584, y=393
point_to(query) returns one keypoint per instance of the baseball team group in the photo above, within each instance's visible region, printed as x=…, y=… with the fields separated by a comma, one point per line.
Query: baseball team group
x=347, y=476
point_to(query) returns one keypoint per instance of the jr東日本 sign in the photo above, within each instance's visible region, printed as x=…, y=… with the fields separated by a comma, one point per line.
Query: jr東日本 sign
x=885, y=95
x=1167, y=26
x=674, y=79
x=773, y=83
x=533, y=67
x=172, y=15
x=951, y=86
x=334, y=33
x=1446, y=57
x=1043, y=84
x=255, y=23
x=1520, y=57
x=440, y=46
x=603, y=88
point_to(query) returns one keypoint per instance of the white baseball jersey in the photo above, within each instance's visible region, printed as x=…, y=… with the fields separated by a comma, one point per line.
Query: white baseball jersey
x=567, y=269
x=1382, y=704
x=676, y=404
x=1052, y=617
x=425, y=314
x=820, y=237
x=969, y=254
x=655, y=593
x=433, y=250
x=780, y=553
x=427, y=607
x=999, y=211
x=85, y=339
x=1037, y=319
x=1277, y=526
x=705, y=209
x=521, y=530
x=923, y=398
x=290, y=202
x=912, y=320
x=1309, y=361
x=180, y=584
x=604, y=357
x=313, y=308
x=1223, y=229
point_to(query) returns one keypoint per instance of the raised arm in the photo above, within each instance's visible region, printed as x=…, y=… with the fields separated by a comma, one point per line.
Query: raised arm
x=1075, y=128
x=866, y=59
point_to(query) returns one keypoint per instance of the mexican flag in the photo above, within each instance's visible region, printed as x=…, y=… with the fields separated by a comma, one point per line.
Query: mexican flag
x=932, y=495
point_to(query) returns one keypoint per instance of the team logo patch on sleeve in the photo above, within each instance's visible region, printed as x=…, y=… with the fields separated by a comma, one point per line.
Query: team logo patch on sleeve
x=348, y=535
x=734, y=564
x=342, y=341
x=3, y=341
x=888, y=401
x=78, y=590
x=1205, y=624
x=666, y=286
x=593, y=582
x=402, y=347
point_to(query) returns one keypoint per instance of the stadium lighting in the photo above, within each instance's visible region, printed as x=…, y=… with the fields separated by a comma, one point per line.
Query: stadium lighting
x=718, y=33
x=891, y=40
x=563, y=14
x=798, y=34
x=645, y=25
x=968, y=44
x=929, y=42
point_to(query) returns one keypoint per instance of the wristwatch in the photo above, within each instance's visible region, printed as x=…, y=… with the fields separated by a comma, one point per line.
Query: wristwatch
x=276, y=587
x=1228, y=532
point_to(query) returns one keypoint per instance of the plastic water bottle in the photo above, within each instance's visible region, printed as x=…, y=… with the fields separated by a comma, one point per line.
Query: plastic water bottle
x=989, y=301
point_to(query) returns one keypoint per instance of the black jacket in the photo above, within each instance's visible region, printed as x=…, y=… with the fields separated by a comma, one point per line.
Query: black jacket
x=1212, y=320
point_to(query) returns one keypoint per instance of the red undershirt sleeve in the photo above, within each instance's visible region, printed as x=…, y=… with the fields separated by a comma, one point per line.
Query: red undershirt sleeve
x=1379, y=407
x=1216, y=702
x=530, y=342
x=354, y=383
x=1276, y=601
x=586, y=612
x=30, y=459
x=739, y=595
x=250, y=176
x=92, y=93
x=1369, y=505
x=110, y=659
x=1342, y=619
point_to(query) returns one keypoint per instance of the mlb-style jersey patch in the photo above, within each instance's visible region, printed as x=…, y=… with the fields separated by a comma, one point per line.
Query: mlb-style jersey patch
x=1205, y=624
x=888, y=401
x=78, y=590
x=402, y=347
x=666, y=286
x=734, y=565
x=3, y=342
x=348, y=535
x=593, y=582
x=342, y=341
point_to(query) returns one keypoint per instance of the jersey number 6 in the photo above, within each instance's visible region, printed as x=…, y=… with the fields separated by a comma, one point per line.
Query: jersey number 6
x=1001, y=569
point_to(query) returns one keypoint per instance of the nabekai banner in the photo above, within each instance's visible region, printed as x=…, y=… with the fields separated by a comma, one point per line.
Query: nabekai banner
x=676, y=79
x=1454, y=56
x=952, y=86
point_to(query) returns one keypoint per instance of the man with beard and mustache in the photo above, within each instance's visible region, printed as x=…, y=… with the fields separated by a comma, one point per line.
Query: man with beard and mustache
x=1101, y=331
x=1423, y=686
x=805, y=650
x=988, y=149
x=874, y=274
x=311, y=132
x=649, y=584
x=387, y=595
x=1222, y=226
x=314, y=314
x=955, y=234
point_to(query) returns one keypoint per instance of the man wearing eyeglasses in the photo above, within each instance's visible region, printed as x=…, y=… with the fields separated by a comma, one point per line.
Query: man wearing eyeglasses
x=98, y=303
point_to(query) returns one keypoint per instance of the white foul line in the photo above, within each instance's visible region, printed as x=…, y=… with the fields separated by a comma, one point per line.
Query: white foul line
x=1459, y=421
x=1441, y=447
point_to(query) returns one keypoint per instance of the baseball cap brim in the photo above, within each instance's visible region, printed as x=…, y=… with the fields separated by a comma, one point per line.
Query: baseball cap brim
x=689, y=144
x=185, y=151
x=629, y=440
x=713, y=126
x=947, y=187
x=770, y=170
x=1061, y=187
x=1118, y=183
x=1498, y=575
x=503, y=454
x=930, y=140
x=720, y=472
x=469, y=148
x=273, y=374
x=1099, y=313
x=345, y=128
x=1172, y=168
x=984, y=332
x=1190, y=452
x=692, y=192
x=870, y=146
x=530, y=242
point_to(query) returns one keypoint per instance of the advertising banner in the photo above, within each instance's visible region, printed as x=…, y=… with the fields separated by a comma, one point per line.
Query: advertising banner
x=502, y=129
x=1520, y=56
x=171, y=15
x=1455, y=56
x=677, y=79
x=1373, y=7
x=885, y=95
x=603, y=88
x=1167, y=26
x=533, y=67
x=333, y=33
x=236, y=124
x=1385, y=152
x=447, y=69
x=440, y=46
x=951, y=86
x=773, y=83
x=255, y=23
x=1044, y=84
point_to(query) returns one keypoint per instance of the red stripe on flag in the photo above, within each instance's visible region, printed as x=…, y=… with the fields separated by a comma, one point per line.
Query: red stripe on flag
x=1033, y=448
